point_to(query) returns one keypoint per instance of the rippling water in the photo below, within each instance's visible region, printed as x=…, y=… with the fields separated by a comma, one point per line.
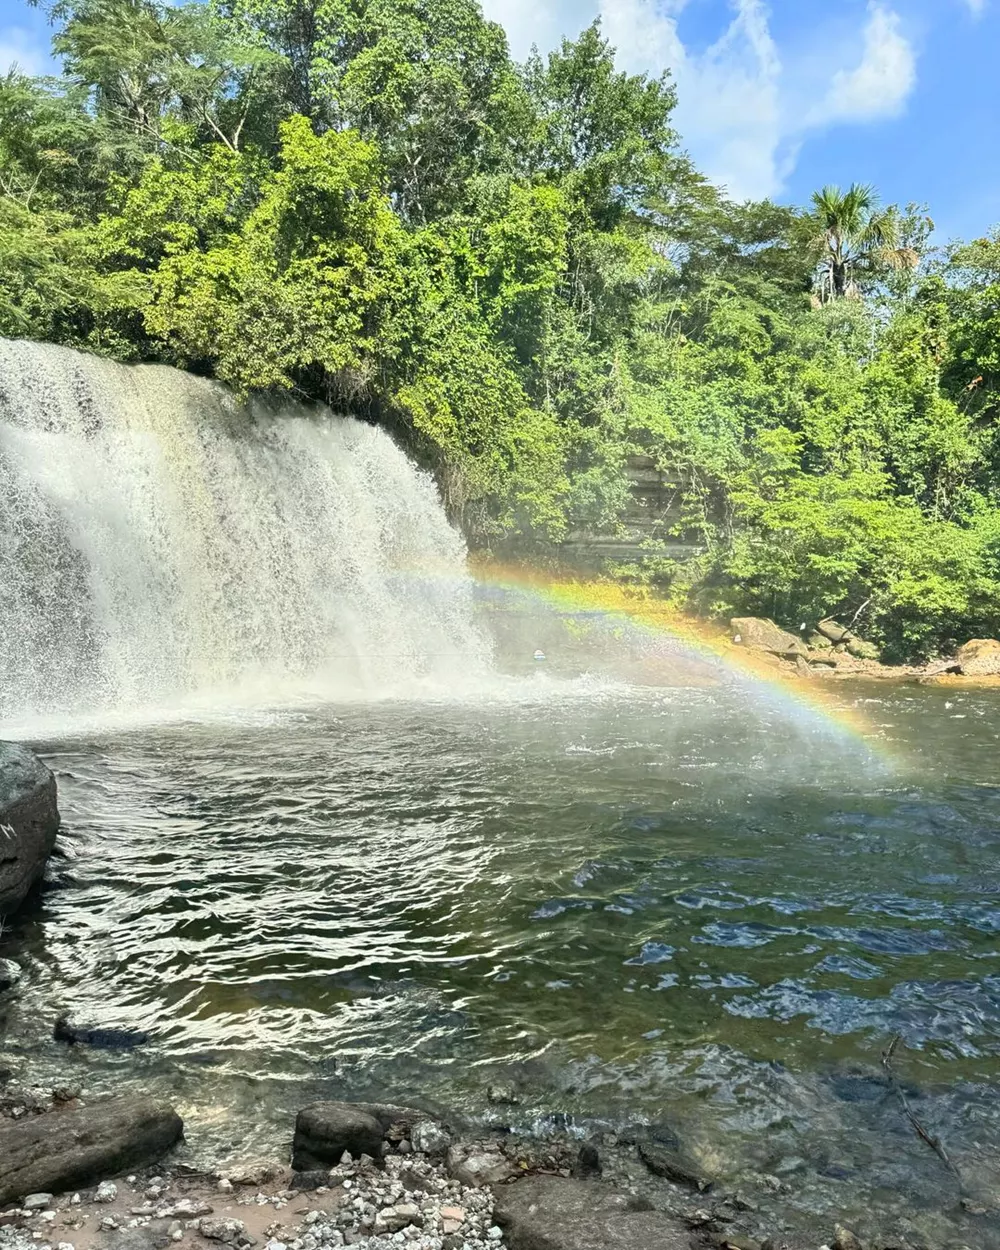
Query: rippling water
x=641, y=903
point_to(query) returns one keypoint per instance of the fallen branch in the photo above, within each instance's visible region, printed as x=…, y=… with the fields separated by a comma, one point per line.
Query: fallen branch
x=918, y=1128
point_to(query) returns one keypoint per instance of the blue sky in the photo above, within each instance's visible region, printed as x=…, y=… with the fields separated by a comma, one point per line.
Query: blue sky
x=779, y=98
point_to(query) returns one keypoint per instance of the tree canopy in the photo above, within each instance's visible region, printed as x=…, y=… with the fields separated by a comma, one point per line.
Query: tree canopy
x=520, y=271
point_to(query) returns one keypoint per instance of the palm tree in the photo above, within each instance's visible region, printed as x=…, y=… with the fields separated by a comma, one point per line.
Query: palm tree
x=858, y=240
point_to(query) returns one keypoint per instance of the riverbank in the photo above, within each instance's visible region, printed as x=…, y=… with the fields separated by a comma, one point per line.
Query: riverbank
x=425, y=1186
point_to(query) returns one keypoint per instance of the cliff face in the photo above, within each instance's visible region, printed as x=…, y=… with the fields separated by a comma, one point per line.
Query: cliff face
x=647, y=524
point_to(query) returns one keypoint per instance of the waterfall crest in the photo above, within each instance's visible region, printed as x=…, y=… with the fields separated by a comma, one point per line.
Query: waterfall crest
x=159, y=539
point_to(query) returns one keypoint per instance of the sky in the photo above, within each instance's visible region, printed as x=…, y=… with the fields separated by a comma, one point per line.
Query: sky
x=777, y=99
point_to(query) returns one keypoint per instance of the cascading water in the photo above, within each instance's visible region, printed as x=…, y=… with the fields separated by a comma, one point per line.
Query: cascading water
x=159, y=540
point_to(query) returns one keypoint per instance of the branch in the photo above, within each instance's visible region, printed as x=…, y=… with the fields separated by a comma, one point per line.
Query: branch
x=918, y=1128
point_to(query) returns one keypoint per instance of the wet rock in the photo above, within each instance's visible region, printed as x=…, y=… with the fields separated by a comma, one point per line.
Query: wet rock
x=10, y=972
x=311, y=1180
x=65, y=1149
x=760, y=634
x=588, y=1162
x=503, y=1094
x=29, y=822
x=430, y=1138
x=103, y=1039
x=844, y=1239
x=477, y=1165
x=324, y=1131
x=673, y=1166
x=549, y=1213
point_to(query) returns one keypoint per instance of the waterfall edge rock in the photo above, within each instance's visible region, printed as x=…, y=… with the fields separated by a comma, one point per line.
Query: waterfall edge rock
x=29, y=822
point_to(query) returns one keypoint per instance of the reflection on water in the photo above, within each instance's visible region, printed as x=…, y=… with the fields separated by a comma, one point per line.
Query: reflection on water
x=645, y=904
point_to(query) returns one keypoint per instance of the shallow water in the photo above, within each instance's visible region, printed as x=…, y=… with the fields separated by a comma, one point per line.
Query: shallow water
x=641, y=903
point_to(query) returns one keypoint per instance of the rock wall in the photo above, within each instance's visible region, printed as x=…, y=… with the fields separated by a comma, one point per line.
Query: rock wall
x=29, y=822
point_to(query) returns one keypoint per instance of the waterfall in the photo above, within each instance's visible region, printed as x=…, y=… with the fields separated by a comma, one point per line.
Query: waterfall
x=160, y=540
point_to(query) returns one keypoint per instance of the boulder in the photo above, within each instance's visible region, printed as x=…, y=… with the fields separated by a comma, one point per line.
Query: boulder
x=834, y=631
x=862, y=650
x=550, y=1213
x=762, y=635
x=979, y=658
x=818, y=642
x=326, y=1130
x=673, y=1166
x=69, y=1149
x=29, y=822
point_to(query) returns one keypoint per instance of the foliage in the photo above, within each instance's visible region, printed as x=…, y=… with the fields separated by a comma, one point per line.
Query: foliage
x=519, y=270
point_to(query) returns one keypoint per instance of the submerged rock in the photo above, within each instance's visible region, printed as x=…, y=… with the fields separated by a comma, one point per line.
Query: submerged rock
x=29, y=822
x=69, y=1149
x=672, y=1166
x=550, y=1213
x=103, y=1039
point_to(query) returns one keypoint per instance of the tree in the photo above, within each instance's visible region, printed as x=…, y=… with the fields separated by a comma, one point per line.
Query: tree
x=858, y=242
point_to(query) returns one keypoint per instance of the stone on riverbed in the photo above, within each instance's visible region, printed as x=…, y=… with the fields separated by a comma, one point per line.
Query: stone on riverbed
x=673, y=1166
x=68, y=1149
x=550, y=1213
x=29, y=822
x=326, y=1130
x=478, y=1165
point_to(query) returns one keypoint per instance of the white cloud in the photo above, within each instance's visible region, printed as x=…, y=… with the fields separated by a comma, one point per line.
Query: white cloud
x=976, y=7
x=19, y=47
x=881, y=83
x=745, y=106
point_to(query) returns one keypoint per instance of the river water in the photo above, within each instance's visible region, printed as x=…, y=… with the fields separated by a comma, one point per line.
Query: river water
x=637, y=902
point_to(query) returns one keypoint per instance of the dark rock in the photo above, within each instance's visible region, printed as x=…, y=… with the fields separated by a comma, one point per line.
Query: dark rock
x=103, y=1039
x=834, y=631
x=311, y=1180
x=548, y=1213
x=29, y=822
x=673, y=1166
x=10, y=974
x=760, y=634
x=69, y=1149
x=588, y=1162
x=326, y=1129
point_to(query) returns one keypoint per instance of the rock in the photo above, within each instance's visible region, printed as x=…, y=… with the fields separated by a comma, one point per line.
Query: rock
x=37, y=1202
x=844, y=1239
x=863, y=650
x=549, y=1213
x=452, y=1219
x=503, y=1094
x=834, y=631
x=227, y=1230
x=588, y=1162
x=760, y=634
x=478, y=1165
x=29, y=822
x=979, y=658
x=253, y=1173
x=311, y=1180
x=392, y=1219
x=65, y=1149
x=107, y=1191
x=103, y=1039
x=324, y=1131
x=430, y=1138
x=802, y=666
x=819, y=642
x=673, y=1166
x=10, y=972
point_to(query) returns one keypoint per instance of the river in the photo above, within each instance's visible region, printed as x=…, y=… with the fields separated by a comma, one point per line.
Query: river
x=637, y=903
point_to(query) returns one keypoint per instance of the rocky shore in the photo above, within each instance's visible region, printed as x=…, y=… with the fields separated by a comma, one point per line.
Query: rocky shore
x=400, y=1177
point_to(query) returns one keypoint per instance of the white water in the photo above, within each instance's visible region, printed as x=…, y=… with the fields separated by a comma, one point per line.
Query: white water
x=163, y=545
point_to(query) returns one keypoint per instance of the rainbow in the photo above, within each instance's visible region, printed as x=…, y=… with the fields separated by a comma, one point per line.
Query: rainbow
x=643, y=611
